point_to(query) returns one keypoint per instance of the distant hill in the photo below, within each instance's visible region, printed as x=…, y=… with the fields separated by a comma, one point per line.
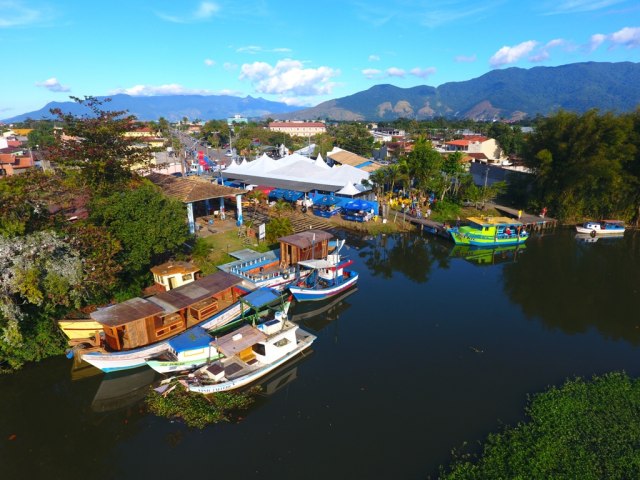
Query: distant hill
x=173, y=107
x=511, y=93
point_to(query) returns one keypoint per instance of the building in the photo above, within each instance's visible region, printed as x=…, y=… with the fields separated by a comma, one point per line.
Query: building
x=298, y=129
x=479, y=148
x=13, y=164
x=338, y=156
x=236, y=119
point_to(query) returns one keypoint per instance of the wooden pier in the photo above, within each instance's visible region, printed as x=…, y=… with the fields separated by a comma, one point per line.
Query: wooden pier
x=531, y=222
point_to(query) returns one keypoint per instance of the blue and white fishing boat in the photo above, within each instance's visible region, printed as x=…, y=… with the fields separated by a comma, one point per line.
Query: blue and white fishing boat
x=329, y=277
x=601, y=228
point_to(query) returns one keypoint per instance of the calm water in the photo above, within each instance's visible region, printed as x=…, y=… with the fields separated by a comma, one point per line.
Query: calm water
x=438, y=346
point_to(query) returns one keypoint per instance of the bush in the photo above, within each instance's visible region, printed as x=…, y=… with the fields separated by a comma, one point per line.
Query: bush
x=585, y=430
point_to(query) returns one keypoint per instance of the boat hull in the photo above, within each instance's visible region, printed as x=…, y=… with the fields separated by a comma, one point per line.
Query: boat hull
x=161, y=366
x=303, y=294
x=461, y=238
x=116, y=361
x=600, y=233
x=260, y=372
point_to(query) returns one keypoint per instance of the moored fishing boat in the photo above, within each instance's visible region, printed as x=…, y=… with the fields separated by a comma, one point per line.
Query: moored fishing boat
x=602, y=227
x=489, y=232
x=138, y=329
x=250, y=353
x=196, y=346
x=279, y=268
x=328, y=278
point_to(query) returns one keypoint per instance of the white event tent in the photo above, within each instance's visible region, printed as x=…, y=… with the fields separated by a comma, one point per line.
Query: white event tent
x=297, y=172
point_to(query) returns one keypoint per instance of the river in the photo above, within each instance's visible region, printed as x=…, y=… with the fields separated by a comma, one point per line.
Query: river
x=437, y=346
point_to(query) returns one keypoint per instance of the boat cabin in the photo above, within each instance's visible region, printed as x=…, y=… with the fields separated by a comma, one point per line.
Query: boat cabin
x=305, y=245
x=142, y=321
x=174, y=274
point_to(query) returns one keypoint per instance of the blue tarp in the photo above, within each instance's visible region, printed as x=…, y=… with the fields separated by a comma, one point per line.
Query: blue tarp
x=288, y=195
x=196, y=337
x=260, y=297
x=358, y=205
x=325, y=200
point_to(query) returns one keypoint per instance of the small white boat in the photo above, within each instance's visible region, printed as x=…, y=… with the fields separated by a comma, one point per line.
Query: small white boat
x=602, y=227
x=250, y=353
x=328, y=278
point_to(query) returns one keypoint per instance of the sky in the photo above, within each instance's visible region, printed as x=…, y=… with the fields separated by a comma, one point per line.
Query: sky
x=299, y=53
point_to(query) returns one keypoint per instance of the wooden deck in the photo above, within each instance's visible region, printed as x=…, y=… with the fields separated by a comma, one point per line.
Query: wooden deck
x=530, y=221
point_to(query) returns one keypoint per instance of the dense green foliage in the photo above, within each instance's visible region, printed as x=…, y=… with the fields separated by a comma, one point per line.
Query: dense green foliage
x=586, y=166
x=49, y=264
x=278, y=227
x=147, y=224
x=584, y=429
x=198, y=410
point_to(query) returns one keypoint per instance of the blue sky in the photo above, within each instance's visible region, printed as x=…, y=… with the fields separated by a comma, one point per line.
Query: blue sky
x=301, y=53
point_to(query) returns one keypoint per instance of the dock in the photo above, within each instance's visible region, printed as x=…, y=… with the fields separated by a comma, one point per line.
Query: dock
x=531, y=222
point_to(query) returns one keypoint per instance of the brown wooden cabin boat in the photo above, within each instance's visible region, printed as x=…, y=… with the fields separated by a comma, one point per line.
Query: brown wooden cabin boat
x=139, y=322
x=174, y=274
x=306, y=245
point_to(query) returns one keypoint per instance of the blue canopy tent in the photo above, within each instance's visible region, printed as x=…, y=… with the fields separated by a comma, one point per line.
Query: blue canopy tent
x=276, y=194
x=359, y=204
x=325, y=201
x=292, y=195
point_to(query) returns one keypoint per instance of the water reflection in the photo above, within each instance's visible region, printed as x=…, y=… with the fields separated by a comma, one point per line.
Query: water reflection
x=412, y=255
x=317, y=315
x=574, y=286
x=120, y=390
x=488, y=256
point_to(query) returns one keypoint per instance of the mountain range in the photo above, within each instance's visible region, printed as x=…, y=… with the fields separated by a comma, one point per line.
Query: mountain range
x=511, y=93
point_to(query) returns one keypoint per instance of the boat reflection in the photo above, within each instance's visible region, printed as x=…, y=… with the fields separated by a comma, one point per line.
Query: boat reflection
x=317, y=315
x=280, y=378
x=588, y=238
x=488, y=256
x=122, y=389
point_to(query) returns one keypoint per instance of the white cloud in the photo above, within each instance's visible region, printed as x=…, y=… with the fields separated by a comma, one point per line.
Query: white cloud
x=422, y=72
x=153, y=90
x=395, y=72
x=374, y=58
x=507, y=55
x=53, y=85
x=574, y=6
x=465, y=59
x=628, y=37
x=288, y=77
x=441, y=12
x=204, y=12
x=253, y=49
x=295, y=101
x=371, y=72
x=596, y=40
x=541, y=56
x=16, y=14
x=209, y=63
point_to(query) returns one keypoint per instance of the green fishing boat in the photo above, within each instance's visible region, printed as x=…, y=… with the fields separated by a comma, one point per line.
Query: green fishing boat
x=489, y=232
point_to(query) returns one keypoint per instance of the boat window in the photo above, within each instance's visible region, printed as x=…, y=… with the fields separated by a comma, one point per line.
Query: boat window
x=186, y=277
x=282, y=342
x=259, y=349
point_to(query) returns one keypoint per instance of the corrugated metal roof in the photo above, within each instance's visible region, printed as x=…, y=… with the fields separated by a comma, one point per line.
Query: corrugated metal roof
x=125, y=312
x=307, y=238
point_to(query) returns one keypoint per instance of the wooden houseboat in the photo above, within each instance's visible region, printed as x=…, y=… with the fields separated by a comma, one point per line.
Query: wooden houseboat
x=140, y=328
x=174, y=274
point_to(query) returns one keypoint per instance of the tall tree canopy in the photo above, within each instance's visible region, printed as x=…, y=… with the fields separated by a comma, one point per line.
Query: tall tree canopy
x=97, y=144
x=586, y=166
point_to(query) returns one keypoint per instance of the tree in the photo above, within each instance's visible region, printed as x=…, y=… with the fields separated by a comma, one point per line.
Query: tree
x=149, y=225
x=41, y=136
x=39, y=273
x=353, y=137
x=97, y=145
